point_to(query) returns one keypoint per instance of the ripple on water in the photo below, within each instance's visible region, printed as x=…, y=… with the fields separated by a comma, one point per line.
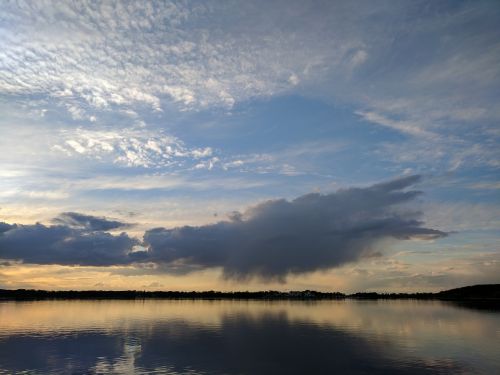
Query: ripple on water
x=246, y=337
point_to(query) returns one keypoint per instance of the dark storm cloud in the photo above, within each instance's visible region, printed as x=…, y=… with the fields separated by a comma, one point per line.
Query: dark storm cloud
x=280, y=237
x=66, y=245
x=270, y=240
x=88, y=222
x=4, y=227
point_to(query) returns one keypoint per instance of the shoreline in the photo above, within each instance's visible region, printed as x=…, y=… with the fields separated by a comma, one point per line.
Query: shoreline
x=475, y=293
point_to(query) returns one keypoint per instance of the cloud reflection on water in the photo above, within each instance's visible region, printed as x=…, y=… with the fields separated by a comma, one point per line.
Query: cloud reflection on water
x=245, y=337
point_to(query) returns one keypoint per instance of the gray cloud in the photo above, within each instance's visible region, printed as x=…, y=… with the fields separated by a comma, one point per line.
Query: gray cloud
x=87, y=222
x=4, y=227
x=83, y=242
x=269, y=240
x=312, y=232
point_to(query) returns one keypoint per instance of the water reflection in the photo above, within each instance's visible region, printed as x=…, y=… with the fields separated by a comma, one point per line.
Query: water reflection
x=246, y=337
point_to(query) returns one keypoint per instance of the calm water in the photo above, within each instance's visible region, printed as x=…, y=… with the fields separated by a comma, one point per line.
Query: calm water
x=247, y=337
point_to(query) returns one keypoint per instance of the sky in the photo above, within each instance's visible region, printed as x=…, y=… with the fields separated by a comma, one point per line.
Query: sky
x=328, y=145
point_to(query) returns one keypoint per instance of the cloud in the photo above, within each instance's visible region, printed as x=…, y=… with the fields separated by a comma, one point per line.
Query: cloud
x=468, y=268
x=494, y=185
x=403, y=126
x=135, y=147
x=462, y=216
x=4, y=227
x=155, y=54
x=92, y=61
x=76, y=240
x=312, y=232
x=87, y=222
x=270, y=240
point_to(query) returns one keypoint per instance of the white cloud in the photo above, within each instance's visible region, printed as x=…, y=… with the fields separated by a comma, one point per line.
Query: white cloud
x=100, y=56
x=133, y=147
x=208, y=164
x=359, y=57
x=74, y=145
x=408, y=127
x=294, y=79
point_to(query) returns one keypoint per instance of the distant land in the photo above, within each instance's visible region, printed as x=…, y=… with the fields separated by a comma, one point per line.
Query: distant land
x=487, y=293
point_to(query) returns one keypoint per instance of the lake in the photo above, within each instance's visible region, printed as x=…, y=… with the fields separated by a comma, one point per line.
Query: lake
x=247, y=337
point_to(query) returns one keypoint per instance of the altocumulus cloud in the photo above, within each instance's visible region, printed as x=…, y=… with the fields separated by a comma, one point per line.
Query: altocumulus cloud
x=280, y=237
x=270, y=240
